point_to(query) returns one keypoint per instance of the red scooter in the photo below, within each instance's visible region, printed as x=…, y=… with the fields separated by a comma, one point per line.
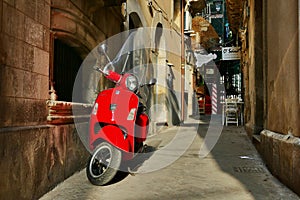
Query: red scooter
x=118, y=123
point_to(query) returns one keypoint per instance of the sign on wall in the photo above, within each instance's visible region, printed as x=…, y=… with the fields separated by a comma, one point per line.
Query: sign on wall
x=231, y=53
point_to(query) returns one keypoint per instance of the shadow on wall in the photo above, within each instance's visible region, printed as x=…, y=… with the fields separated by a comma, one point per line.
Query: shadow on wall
x=173, y=107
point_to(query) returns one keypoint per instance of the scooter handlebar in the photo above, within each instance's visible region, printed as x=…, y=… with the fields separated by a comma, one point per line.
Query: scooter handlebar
x=97, y=69
x=109, y=74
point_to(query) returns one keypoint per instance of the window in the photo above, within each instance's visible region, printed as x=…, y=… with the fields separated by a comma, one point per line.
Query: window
x=65, y=67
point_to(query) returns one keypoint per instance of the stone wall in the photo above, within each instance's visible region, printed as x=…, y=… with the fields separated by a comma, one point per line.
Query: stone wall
x=280, y=145
x=34, y=160
x=36, y=156
x=24, y=50
x=282, y=74
x=271, y=71
x=282, y=155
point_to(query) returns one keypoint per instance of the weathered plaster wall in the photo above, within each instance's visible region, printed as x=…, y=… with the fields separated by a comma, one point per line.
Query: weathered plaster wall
x=283, y=77
x=280, y=145
x=249, y=72
x=273, y=45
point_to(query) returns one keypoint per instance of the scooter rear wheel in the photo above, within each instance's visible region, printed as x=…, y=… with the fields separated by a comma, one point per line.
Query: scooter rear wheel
x=104, y=163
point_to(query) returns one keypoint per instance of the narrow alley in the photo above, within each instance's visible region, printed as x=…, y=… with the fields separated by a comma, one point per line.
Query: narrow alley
x=232, y=170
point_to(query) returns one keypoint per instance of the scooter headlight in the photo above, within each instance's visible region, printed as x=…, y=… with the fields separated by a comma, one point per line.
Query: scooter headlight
x=132, y=82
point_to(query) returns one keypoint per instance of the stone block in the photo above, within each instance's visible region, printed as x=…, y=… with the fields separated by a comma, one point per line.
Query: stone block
x=34, y=32
x=43, y=13
x=26, y=112
x=14, y=78
x=76, y=153
x=27, y=7
x=10, y=2
x=30, y=112
x=10, y=165
x=28, y=85
x=296, y=168
x=2, y=78
x=35, y=163
x=11, y=51
x=39, y=111
x=1, y=4
x=286, y=161
x=41, y=87
x=35, y=86
x=18, y=78
x=60, y=22
x=57, y=154
x=267, y=149
x=37, y=81
x=276, y=157
x=8, y=111
x=46, y=44
x=3, y=55
x=28, y=57
x=41, y=62
x=13, y=22
x=44, y=88
x=48, y=1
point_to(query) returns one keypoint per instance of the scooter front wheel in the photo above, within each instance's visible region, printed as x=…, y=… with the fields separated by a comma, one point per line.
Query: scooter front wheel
x=104, y=163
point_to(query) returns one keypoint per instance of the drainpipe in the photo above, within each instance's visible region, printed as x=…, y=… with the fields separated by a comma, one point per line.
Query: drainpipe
x=182, y=63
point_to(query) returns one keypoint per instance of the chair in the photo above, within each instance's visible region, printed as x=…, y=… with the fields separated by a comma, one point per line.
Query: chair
x=231, y=112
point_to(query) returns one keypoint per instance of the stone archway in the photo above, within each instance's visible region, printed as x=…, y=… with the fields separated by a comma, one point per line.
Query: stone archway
x=80, y=26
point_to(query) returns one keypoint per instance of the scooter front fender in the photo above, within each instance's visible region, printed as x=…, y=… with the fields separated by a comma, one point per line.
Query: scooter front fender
x=115, y=136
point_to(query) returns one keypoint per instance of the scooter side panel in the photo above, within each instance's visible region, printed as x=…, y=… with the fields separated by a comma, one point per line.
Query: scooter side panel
x=117, y=108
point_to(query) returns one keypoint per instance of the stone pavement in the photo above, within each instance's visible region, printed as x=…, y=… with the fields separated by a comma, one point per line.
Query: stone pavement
x=232, y=170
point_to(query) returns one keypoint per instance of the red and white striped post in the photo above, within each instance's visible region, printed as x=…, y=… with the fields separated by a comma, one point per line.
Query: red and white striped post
x=214, y=99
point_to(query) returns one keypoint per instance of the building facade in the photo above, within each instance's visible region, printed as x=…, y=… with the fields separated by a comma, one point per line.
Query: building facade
x=269, y=34
x=43, y=44
x=39, y=146
x=164, y=60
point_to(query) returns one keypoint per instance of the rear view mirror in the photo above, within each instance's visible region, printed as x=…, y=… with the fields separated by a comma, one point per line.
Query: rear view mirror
x=102, y=48
x=152, y=82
